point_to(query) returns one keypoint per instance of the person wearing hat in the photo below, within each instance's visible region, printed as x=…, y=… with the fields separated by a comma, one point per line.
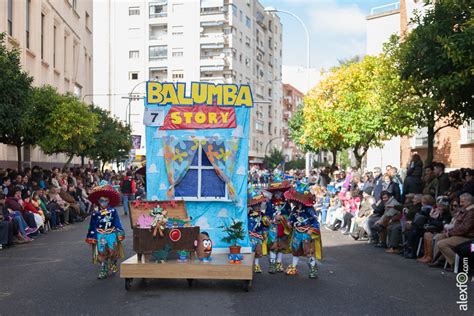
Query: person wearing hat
x=105, y=231
x=278, y=239
x=306, y=237
x=256, y=204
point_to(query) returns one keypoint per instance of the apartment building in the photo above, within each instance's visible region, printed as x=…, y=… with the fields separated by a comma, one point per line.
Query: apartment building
x=55, y=41
x=453, y=146
x=292, y=98
x=218, y=41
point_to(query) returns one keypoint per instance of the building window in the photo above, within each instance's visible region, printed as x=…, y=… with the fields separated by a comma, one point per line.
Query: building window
x=88, y=21
x=259, y=126
x=177, y=30
x=177, y=52
x=158, y=10
x=133, y=75
x=133, y=54
x=55, y=29
x=234, y=9
x=158, y=52
x=28, y=19
x=178, y=8
x=241, y=16
x=134, y=11
x=177, y=74
x=270, y=128
x=42, y=35
x=470, y=130
x=65, y=54
x=77, y=91
x=247, y=21
x=10, y=17
x=201, y=181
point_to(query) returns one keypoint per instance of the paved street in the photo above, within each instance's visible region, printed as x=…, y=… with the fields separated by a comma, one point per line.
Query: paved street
x=53, y=276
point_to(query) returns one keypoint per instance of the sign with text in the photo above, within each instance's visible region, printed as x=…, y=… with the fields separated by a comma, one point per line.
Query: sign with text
x=199, y=117
x=153, y=117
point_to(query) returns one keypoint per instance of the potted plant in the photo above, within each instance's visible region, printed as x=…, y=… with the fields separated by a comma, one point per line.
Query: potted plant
x=234, y=233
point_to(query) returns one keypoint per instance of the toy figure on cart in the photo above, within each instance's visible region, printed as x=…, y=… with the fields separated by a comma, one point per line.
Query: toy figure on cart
x=105, y=230
x=256, y=207
x=306, y=237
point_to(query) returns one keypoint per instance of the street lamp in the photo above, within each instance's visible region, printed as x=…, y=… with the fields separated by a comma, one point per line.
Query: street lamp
x=130, y=98
x=273, y=10
x=271, y=140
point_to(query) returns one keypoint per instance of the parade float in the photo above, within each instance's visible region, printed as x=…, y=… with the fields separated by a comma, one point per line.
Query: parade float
x=197, y=163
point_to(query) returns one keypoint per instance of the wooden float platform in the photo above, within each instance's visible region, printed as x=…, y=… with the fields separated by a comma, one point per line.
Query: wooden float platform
x=219, y=268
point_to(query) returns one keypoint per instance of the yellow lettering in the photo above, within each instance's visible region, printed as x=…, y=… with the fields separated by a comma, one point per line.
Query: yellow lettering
x=212, y=118
x=230, y=94
x=200, y=118
x=225, y=117
x=176, y=118
x=199, y=92
x=153, y=92
x=183, y=100
x=244, y=97
x=169, y=94
x=214, y=94
x=187, y=116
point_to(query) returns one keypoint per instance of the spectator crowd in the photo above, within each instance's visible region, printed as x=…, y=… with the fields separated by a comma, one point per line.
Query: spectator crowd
x=427, y=214
x=36, y=200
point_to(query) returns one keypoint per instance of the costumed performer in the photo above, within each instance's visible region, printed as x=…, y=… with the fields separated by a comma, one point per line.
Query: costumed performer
x=306, y=237
x=278, y=239
x=105, y=231
x=256, y=203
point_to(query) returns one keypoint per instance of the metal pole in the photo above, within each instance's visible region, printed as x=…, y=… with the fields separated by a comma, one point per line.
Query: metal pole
x=308, y=65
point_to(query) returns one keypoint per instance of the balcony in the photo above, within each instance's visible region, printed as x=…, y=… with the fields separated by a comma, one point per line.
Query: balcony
x=158, y=32
x=216, y=61
x=216, y=17
x=158, y=74
x=214, y=38
x=158, y=10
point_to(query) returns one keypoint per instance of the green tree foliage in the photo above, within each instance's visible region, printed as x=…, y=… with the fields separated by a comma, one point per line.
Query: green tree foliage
x=276, y=157
x=356, y=106
x=15, y=114
x=437, y=58
x=112, y=138
x=70, y=128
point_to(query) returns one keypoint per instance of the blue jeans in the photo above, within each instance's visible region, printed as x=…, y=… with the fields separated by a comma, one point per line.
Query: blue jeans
x=125, y=199
x=324, y=213
x=21, y=222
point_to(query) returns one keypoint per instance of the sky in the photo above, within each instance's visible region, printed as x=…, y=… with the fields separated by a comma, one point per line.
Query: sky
x=337, y=29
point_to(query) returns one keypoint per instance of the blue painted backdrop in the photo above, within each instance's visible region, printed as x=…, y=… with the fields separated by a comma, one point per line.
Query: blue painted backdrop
x=208, y=215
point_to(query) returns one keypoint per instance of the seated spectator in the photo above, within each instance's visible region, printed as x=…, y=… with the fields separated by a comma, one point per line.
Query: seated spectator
x=75, y=214
x=21, y=229
x=418, y=226
x=37, y=213
x=439, y=216
x=351, y=206
x=365, y=210
x=15, y=204
x=460, y=231
x=378, y=211
x=390, y=212
x=429, y=181
x=6, y=186
x=456, y=185
x=6, y=226
x=60, y=206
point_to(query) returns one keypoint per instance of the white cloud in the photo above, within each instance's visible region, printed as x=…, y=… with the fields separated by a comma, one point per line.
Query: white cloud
x=202, y=223
x=241, y=171
x=154, y=198
x=160, y=153
x=152, y=168
x=328, y=17
x=163, y=186
x=222, y=213
x=238, y=131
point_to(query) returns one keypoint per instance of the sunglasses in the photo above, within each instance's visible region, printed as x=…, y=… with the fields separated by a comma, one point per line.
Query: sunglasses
x=103, y=200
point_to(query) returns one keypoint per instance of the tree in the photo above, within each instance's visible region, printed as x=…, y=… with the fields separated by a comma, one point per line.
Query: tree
x=112, y=139
x=276, y=157
x=69, y=129
x=16, y=111
x=437, y=59
x=356, y=106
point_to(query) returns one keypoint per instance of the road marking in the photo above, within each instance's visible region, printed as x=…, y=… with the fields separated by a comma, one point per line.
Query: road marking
x=4, y=295
x=39, y=261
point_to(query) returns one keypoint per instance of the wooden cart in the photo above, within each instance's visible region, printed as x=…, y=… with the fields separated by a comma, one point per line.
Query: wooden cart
x=139, y=266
